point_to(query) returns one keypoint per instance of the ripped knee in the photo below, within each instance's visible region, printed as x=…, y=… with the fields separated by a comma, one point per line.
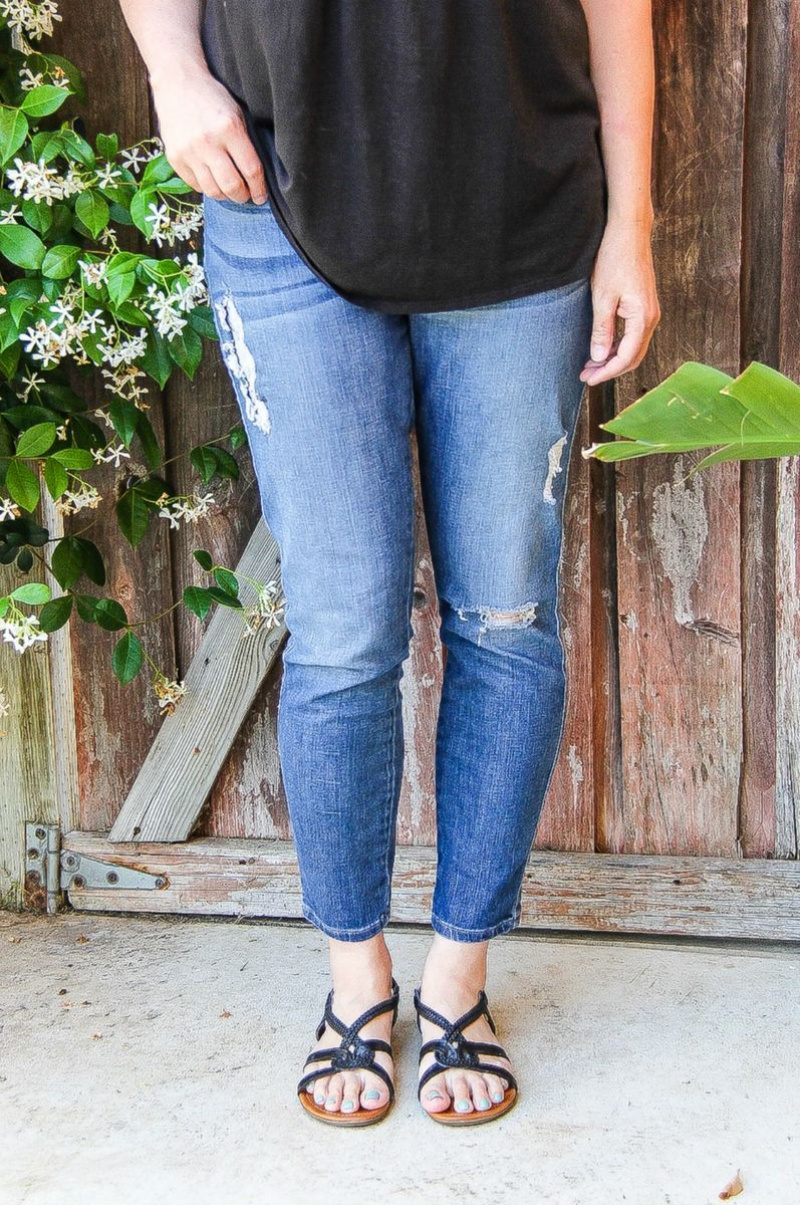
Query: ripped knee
x=495, y=618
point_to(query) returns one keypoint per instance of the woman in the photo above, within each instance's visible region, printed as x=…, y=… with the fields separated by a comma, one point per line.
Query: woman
x=423, y=212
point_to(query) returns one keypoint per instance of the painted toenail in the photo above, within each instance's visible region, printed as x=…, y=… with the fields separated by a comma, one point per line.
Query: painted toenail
x=331, y=1100
x=348, y=1106
x=483, y=1103
x=435, y=1096
x=373, y=1094
x=497, y=1097
x=462, y=1106
x=319, y=1098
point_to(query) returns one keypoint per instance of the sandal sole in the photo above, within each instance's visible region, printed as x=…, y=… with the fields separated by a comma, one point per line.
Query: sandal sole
x=449, y=1117
x=362, y=1117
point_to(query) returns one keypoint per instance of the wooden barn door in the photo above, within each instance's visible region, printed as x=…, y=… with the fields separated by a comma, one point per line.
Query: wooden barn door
x=675, y=805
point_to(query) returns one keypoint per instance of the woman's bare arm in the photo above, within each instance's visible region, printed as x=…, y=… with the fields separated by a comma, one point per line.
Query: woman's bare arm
x=201, y=125
x=623, y=282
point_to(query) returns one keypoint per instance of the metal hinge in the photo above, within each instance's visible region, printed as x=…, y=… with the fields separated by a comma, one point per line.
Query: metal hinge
x=50, y=871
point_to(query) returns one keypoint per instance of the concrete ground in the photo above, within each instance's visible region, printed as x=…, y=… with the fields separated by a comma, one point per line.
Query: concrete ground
x=146, y=1059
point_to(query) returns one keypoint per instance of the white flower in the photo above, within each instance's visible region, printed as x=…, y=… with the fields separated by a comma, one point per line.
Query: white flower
x=8, y=509
x=22, y=632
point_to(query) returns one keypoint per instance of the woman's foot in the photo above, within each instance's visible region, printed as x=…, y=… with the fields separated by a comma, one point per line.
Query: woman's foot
x=454, y=976
x=362, y=976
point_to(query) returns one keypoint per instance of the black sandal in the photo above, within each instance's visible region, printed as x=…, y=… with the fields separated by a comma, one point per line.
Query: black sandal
x=352, y=1054
x=454, y=1050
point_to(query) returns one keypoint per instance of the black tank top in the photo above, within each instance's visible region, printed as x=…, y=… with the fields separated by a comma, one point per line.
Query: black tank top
x=422, y=154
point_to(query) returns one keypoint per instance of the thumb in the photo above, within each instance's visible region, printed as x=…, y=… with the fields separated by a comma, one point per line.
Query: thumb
x=603, y=329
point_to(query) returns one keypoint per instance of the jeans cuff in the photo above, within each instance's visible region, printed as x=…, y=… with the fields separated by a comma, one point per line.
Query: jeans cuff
x=456, y=933
x=362, y=934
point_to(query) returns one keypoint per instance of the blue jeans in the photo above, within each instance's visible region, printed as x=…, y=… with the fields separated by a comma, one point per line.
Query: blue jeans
x=329, y=392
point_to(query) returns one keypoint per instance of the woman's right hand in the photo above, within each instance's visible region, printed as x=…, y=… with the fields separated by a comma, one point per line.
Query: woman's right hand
x=206, y=140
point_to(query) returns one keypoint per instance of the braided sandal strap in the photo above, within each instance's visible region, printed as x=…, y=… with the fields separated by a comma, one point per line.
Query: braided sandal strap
x=453, y=1050
x=353, y=1053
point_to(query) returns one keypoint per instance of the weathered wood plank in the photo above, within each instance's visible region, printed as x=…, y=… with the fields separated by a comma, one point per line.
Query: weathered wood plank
x=614, y=893
x=110, y=748
x=568, y=815
x=765, y=133
x=678, y=541
x=787, y=592
x=184, y=760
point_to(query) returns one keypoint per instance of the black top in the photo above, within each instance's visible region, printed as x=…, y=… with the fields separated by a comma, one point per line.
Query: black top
x=422, y=154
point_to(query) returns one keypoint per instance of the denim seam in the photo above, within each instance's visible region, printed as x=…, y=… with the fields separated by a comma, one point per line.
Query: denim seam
x=364, y=931
x=458, y=933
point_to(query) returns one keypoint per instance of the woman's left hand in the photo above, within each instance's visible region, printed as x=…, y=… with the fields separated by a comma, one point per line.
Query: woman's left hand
x=624, y=286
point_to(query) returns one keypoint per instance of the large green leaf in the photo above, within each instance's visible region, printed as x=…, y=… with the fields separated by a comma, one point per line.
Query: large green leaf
x=753, y=417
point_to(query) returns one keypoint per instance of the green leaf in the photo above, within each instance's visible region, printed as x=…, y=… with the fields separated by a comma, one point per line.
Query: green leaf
x=120, y=286
x=226, y=464
x=133, y=516
x=73, y=556
x=60, y=261
x=156, y=361
x=124, y=418
x=148, y=440
x=222, y=596
x=755, y=416
x=227, y=581
x=25, y=560
x=55, y=614
x=22, y=485
x=32, y=593
x=157, y=170
x=108, y=145
x=44, y=99
x=204, y=461
x=127, y=658
x=74, y=458
x=237, y=437
x=55, y=478
x=142, y=199
x=21, y=246
x=92, y=209
x=203, y=558
x=202, y=321
x=109, y=614
x=36, y=440
x=13, y=132
x=197, y=600
x=186, y=349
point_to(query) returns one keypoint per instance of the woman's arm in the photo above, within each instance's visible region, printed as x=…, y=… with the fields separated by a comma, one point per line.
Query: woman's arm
x=623, y=281
x=201, y=125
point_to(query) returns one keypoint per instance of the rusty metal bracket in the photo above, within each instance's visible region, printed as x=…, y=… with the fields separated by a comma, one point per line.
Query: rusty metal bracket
x=42, y=873
x=51, y=871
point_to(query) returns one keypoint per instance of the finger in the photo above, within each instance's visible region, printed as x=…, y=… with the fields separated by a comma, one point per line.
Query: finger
x=603, y=325
x=228, y=185
x=629, y=354
x=246, y=160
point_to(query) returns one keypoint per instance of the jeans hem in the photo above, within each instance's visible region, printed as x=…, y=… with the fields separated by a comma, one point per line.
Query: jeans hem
x=456, y=933
x=362, y=934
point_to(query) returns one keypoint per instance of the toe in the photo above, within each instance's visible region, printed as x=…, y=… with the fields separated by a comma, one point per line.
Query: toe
x=375, y=1093
x=497, y=1088
x=480, y=1093
x=333, y=1098
x=435, y=1097
x=351, y=1090
x=319, y=1090
x=459, y=1090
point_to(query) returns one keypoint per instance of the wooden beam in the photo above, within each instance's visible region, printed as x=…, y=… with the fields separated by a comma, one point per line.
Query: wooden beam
x=191, y=745
x=614, y=893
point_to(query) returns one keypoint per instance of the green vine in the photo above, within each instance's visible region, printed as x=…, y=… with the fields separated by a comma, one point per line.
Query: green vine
x=75, y=303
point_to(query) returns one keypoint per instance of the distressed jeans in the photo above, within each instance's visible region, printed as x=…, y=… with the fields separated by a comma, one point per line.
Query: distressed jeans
x=329, y=392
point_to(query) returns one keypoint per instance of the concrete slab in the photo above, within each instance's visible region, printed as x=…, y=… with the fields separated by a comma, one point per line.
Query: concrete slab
x=151, y=1059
